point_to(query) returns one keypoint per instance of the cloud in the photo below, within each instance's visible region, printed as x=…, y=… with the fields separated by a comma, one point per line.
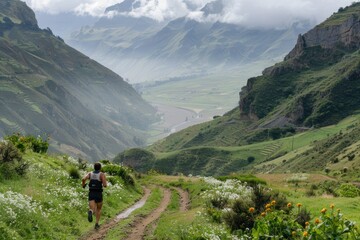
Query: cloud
x=250, y=13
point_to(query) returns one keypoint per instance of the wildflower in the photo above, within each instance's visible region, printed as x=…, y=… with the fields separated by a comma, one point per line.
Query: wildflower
x=268, y=210
x=323, y=211
x=298, y=205
x=289, y=205
x=263, y=214
x=307, y=223
x=317, y=221
x=332, y=206
x=251, y=210
x=338, y=210
x=273, y=203
x=268, y=205
x=305, y=234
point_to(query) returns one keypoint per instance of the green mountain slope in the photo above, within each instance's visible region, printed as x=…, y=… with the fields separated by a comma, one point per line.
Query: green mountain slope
x=47, y=87
x=316, y=85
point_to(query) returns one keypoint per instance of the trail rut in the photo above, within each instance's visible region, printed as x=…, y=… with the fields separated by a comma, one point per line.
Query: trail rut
x=139, y=228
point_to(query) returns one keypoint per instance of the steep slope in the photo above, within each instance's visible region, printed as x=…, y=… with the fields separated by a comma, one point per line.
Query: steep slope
x=316, y=85
x=178, y=48
x=49, y=88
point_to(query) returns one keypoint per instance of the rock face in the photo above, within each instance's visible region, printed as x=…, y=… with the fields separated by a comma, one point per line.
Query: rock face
x=330, y=45
x=18, y=12
x=346, y=34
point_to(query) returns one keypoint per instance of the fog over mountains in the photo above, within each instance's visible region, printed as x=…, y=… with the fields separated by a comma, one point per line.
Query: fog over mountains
x=159, y=40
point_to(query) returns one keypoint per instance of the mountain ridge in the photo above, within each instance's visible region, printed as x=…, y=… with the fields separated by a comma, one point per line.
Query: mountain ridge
x=53, y=89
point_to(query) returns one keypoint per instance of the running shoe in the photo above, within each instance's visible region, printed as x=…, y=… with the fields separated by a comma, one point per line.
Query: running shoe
x=90, y=217
x=97, y=226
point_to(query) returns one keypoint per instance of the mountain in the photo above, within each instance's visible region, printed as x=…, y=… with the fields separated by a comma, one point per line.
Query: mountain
x=49, y=88
x=317, y=85
x=144, y=49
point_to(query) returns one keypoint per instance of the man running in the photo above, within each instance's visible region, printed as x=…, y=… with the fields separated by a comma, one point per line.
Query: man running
x=96, y=184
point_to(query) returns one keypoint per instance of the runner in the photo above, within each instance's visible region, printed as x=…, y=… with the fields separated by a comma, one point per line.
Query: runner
x=96, y=184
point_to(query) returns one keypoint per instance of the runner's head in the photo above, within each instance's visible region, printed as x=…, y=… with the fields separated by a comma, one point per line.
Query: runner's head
x=97, y=166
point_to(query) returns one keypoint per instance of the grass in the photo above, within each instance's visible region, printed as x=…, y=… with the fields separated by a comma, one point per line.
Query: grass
x=224, y=160
x=59, y=202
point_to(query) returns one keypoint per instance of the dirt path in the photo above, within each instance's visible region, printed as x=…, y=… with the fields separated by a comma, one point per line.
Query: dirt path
x=184, y=199
x=101, y=233
x=139, y=227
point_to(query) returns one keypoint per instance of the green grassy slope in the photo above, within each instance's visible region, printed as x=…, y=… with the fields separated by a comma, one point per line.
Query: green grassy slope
x=47, y=87
x=289, y=154
x=48, y=204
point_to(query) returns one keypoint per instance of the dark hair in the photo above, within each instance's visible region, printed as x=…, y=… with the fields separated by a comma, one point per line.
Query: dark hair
x=97, y=166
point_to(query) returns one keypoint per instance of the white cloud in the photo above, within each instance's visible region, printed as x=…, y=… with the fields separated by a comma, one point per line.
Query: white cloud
x=161, y=9
x=251, y=13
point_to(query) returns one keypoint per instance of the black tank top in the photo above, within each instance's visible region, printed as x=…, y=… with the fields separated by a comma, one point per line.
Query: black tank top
x=95, y=182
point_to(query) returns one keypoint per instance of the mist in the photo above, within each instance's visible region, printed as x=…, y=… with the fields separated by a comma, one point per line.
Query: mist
x=249, y=13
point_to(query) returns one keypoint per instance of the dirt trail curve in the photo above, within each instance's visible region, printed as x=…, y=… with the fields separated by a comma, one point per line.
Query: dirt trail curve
x=101, y=233
x=139, y=227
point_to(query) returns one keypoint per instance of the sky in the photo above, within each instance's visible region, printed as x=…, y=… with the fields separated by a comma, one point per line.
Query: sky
x=250, y=13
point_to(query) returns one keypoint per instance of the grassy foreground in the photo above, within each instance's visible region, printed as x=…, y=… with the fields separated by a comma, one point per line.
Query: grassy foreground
x=49, y=203
x=205, y=221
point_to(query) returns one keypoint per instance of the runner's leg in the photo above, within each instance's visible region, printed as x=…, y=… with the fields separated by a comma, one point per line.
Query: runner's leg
x=98, y=211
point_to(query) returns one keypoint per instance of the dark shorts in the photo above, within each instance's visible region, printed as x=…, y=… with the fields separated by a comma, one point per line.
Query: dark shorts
x=96, y=196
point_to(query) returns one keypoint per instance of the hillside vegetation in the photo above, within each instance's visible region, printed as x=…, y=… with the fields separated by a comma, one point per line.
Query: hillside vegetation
x=46, y=200
x=280, y=112
x=48, y=88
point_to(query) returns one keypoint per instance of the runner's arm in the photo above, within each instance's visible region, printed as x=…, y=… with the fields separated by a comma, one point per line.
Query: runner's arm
x=83, y=181
x=103, y=180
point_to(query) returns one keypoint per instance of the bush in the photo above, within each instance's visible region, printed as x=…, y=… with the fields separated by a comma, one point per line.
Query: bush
x=116, y=170
x=239, y=217
x=250, y=159
x=11, y=162
x=37, y=145
x=348, y=190
x=74, y=173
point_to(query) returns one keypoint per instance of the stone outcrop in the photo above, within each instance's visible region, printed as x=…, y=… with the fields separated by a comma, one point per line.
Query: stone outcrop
x=346, y=34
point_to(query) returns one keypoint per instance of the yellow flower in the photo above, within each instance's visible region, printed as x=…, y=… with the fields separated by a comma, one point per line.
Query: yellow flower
x=307, y=223
x=273, y=202
x=263, y=214
x=268, y=210
x=298, y=205
x=332, y=206
x=317, y=221
x=268, y=205
x=251, y=210
x=305, y=234
x=323, y=211
x=338, y=210
x=289, y=205
x=293, y=233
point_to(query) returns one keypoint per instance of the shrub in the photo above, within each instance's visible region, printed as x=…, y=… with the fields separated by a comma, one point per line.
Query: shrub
x=37, y=144
x=239, y=217
x=303, y=216
x=74, y=173
x=116, y=170
x=11, y=162
x=250, y=159
x=348, y=190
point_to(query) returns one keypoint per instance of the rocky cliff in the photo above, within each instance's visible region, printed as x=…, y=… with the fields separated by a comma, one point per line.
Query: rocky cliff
x=301, y=89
